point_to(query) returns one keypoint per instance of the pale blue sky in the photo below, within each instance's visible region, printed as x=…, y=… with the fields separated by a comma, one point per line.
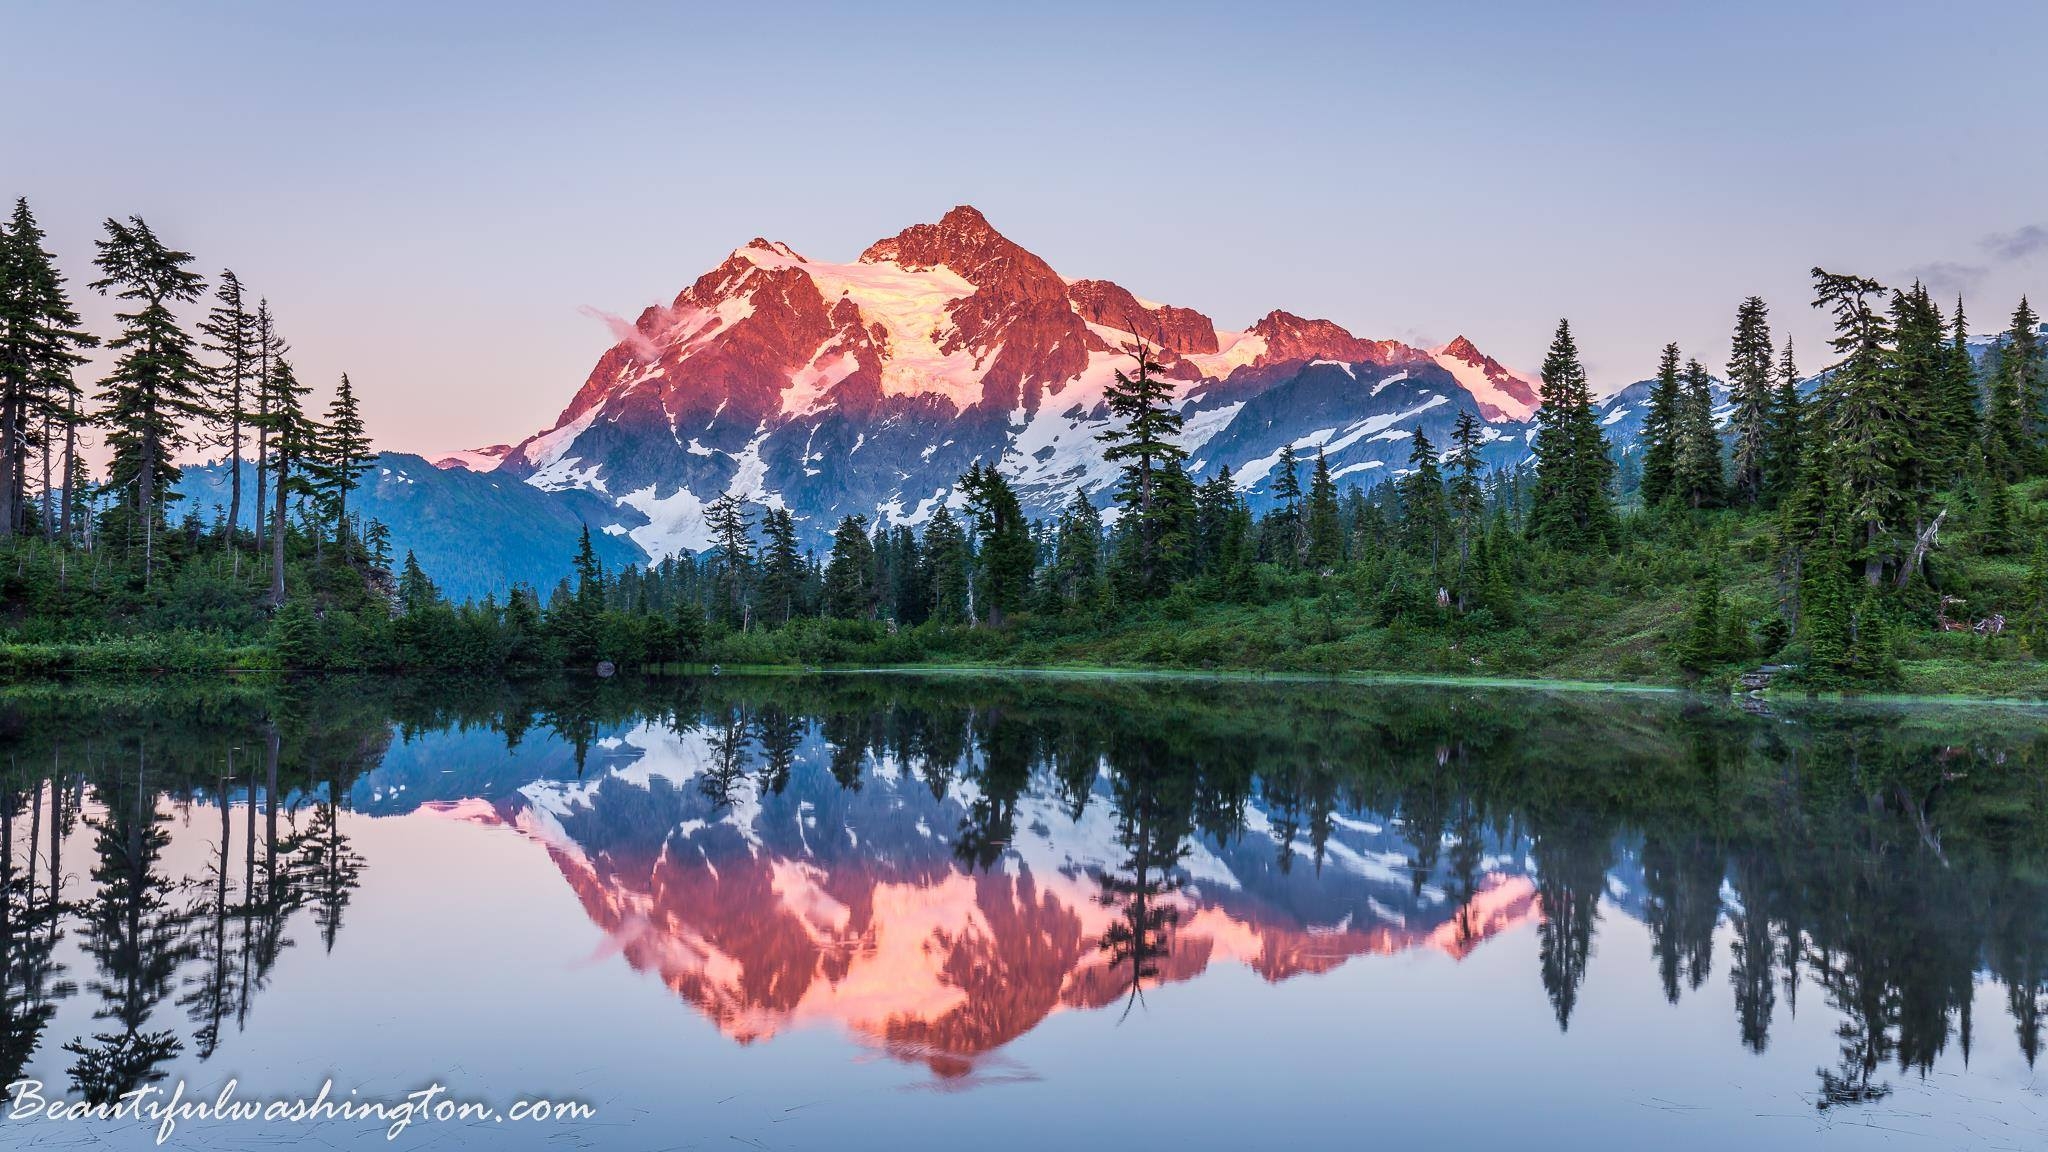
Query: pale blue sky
x=428, y=193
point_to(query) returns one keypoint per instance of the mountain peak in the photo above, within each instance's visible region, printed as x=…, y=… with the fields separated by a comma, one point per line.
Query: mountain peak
x=1463, y=349
x=1292, y=338
x=1502, y=394
x=962, y=240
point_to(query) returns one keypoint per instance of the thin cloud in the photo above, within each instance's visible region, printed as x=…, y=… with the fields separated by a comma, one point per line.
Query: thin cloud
x=625, y=332
x=2000, y=250
x=2010, y=247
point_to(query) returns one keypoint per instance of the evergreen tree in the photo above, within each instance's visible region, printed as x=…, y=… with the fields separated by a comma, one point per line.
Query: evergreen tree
x=850, y=584
x=1750, y=381
x=293, y=440
x=1325, y=528
x=1919, y=368
x=1700, y=649
x=1143, y=401
x=1573, y=509
x=1957, y=405
x=1865, y=419
x=1660, y=430
x=1423, y=516
x=782, y=567
x=40, y=344
x=1467, y=495
x=1006, y=558
x=1782, y=467
x=342, y=456
x=947, y=556
x=2014, y=417
x=1287, y=495
x=155, y=385
x=727, y=519
x=269, y=349
x=1696, y=469
x=416, y=592
x=1077, y=551
x=230, y=334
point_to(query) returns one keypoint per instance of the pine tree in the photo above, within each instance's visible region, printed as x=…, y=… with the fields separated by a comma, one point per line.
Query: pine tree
x=1467, y=496
x=1423, y=517
x=1865, y=420
x=1004, y=563
x=1696, y=470
x=1700, y=650
x=230, y=334
x=1142, y=447
x=416, y=593
x=40, y=344
x=1287, y=495
x=293, y=440
x=342, y=456
x=1325, y=528
x=1077, y=551
x=727, y=520
x=946, y=555
x=1573, y=510
x=155, y=385
x=1959, y=425
x=850, y=579
x=782, y=567
x=2016, y=418
x=1782, y=467
x=1660, y=430
x=1919, y=367
x=269, y=349
x=1749, y=383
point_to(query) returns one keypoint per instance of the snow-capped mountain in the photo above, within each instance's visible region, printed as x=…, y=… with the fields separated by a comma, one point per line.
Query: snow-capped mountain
x=870, y=387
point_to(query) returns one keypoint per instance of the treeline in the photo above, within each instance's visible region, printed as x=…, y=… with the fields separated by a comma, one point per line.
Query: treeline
x=97, y=555
x=1846, y=486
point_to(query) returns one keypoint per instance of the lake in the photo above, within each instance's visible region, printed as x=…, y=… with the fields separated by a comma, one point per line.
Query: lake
x=889, y=911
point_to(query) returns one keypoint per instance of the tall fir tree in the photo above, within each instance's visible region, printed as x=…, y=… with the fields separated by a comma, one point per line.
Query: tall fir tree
x=1424, y=519
x=1288, y=510
x=947, y=556
x=342, y=456
x=2017, y=425
x=1958, y=421
x=1660, y=429
x=41, y=343
x=270, y=347
x=729, y=524
x=1863, y=417
x=1782, y=468
x=229, y=332
x=1006, y=556
x=1750, y=379
x=1573, y=509
x=156, y=385
x=1142, y=447
x=1697, y=477
x=782, y=567
x=1077, y=551
x=1325, y=527
x=1467, y=494
x=294, y=439
x=851, y=591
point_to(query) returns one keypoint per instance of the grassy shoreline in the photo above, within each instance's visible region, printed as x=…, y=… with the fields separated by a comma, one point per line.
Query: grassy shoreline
x=118, y=662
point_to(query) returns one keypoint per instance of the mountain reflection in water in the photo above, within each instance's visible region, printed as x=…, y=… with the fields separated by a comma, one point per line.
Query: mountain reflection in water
x=934, y=867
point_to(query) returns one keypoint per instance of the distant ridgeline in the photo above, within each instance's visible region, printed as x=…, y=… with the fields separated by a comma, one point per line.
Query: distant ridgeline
x=475, y=534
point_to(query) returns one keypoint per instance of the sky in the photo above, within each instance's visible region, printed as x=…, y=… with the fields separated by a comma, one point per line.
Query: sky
x=434, y=196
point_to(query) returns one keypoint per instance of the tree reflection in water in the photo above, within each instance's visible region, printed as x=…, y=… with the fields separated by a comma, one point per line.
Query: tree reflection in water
x=1056, y=842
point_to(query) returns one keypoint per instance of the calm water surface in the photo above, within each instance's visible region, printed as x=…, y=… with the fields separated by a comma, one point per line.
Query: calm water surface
x=886, y=912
